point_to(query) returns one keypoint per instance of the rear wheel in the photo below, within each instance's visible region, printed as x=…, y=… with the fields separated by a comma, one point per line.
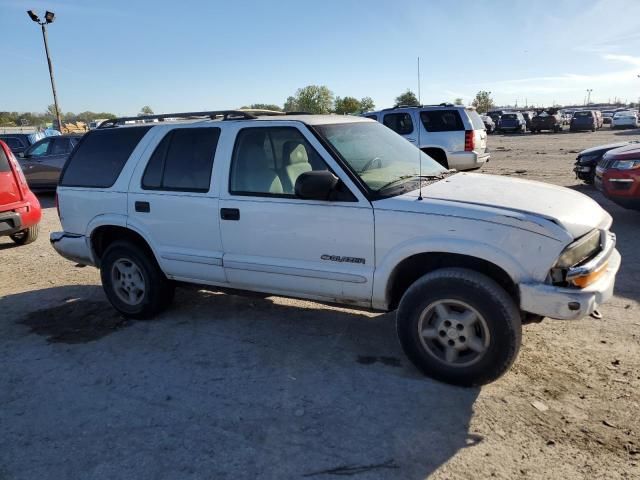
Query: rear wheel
x=26, y=236
x=459, y=326
x=133, y=281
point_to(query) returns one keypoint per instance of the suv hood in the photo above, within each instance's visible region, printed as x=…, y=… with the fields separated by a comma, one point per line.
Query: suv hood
x=535, y=206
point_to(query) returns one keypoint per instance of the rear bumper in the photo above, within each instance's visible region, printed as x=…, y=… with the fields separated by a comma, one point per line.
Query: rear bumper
x=72, y=247
x=10, y=223
x=467, y=160
x=553, y=302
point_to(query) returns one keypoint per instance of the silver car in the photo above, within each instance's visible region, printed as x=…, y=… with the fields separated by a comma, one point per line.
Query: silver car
x=453, y=135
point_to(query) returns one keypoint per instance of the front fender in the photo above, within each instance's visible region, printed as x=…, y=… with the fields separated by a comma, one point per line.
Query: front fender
x=435, y=245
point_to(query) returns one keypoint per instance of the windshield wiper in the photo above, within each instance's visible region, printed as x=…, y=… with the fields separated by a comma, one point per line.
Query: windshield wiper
x=399, y=182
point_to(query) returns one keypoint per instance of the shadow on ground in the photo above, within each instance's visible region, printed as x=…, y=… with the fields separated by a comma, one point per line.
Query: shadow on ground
x=220, y=386
x=632, y=132
x=47, y=199
x=626, y=225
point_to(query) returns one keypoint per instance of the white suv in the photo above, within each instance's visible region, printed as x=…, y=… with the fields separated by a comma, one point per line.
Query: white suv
x=335, y=209
x=453, y=135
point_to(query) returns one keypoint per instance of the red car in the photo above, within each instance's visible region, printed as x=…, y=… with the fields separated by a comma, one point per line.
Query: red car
x=618, y=176
x=20, y=210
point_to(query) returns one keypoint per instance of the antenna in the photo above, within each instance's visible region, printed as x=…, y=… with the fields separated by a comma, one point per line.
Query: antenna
x=419, y=99
x=419, y=128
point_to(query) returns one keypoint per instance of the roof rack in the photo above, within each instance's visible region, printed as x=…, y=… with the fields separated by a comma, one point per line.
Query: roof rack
x=213, y=114
x=444, y=104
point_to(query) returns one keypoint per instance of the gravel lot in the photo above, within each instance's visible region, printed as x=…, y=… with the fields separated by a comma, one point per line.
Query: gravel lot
x=230, y=387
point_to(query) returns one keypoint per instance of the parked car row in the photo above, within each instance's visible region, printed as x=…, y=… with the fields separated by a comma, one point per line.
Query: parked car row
x=553, y=120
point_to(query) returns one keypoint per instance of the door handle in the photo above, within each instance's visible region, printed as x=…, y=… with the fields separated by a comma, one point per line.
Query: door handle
x=143, y=207
x=230, y=214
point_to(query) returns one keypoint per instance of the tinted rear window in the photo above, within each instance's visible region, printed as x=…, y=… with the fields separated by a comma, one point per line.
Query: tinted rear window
x=182, y=161
x=100, y=157
x=582, y=114
x=4, y=162
x=13, y=142
x=400, y=123
x=510, y=116
x=441, y=120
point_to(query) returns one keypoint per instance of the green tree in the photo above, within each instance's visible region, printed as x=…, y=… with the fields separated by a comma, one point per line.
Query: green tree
x=291, y=105
x=408, y=98
x=263, y=106
x=311, y=99
x=347, y=105
x=458, y=101
x=483, y=101
x=366, y=104
x=146, y=110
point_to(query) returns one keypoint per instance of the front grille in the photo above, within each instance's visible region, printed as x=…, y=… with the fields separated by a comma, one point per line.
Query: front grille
x=605, y=163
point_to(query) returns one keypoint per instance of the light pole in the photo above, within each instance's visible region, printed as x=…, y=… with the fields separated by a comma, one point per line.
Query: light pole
x=589, y=90
x=48, y=18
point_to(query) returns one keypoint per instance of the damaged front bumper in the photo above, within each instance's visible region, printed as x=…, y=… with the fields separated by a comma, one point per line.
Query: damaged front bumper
x=564, y=303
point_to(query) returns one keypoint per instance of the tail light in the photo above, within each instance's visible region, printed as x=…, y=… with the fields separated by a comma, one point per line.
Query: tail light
x=469, y=141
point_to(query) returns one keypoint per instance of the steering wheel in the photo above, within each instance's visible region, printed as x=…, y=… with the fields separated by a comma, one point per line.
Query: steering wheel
x=369, y=164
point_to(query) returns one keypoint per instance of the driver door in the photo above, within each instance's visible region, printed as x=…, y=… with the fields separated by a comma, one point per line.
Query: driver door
x=32, y=164
x=276, y=242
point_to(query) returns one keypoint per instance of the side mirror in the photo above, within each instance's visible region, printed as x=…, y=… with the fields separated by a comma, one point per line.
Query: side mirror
x=21, y=154
x=316, y=185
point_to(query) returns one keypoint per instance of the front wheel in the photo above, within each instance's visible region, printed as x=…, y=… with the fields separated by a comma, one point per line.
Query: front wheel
x=27, y=236
x=459, y=326
x=133, y=281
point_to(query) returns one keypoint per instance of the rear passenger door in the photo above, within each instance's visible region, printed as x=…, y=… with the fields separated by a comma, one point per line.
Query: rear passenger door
x=172, y=203
x=444, y=129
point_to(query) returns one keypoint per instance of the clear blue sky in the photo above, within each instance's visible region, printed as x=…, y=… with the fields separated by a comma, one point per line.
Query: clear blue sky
x=174, y=56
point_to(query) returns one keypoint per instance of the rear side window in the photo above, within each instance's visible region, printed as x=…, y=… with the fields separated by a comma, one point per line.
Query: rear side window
x=4, y=162
x=61, y=146
x=100, y=157
x=13, y=142
x=182, y=161
x=441, y=121
x=476, y=120
x=400, y=123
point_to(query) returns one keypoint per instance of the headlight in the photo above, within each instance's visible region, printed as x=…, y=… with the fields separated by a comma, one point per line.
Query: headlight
x=625, y=164
x=580, y=250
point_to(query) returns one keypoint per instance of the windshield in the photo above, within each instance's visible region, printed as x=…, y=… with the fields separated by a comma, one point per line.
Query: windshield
x=378, y=155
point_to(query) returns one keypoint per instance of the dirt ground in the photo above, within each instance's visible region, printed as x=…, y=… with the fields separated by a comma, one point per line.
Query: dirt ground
x=230, y=387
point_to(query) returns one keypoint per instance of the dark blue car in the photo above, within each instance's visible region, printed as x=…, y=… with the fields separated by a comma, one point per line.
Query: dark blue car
x=512, y=122
x=583, y=120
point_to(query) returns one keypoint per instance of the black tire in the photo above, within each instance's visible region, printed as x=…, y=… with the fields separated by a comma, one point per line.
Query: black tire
x=493, y=305
x=27, y=236
x=158, y=292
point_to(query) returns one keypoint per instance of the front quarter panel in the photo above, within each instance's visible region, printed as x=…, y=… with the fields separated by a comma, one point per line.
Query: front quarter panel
x=525, y=256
